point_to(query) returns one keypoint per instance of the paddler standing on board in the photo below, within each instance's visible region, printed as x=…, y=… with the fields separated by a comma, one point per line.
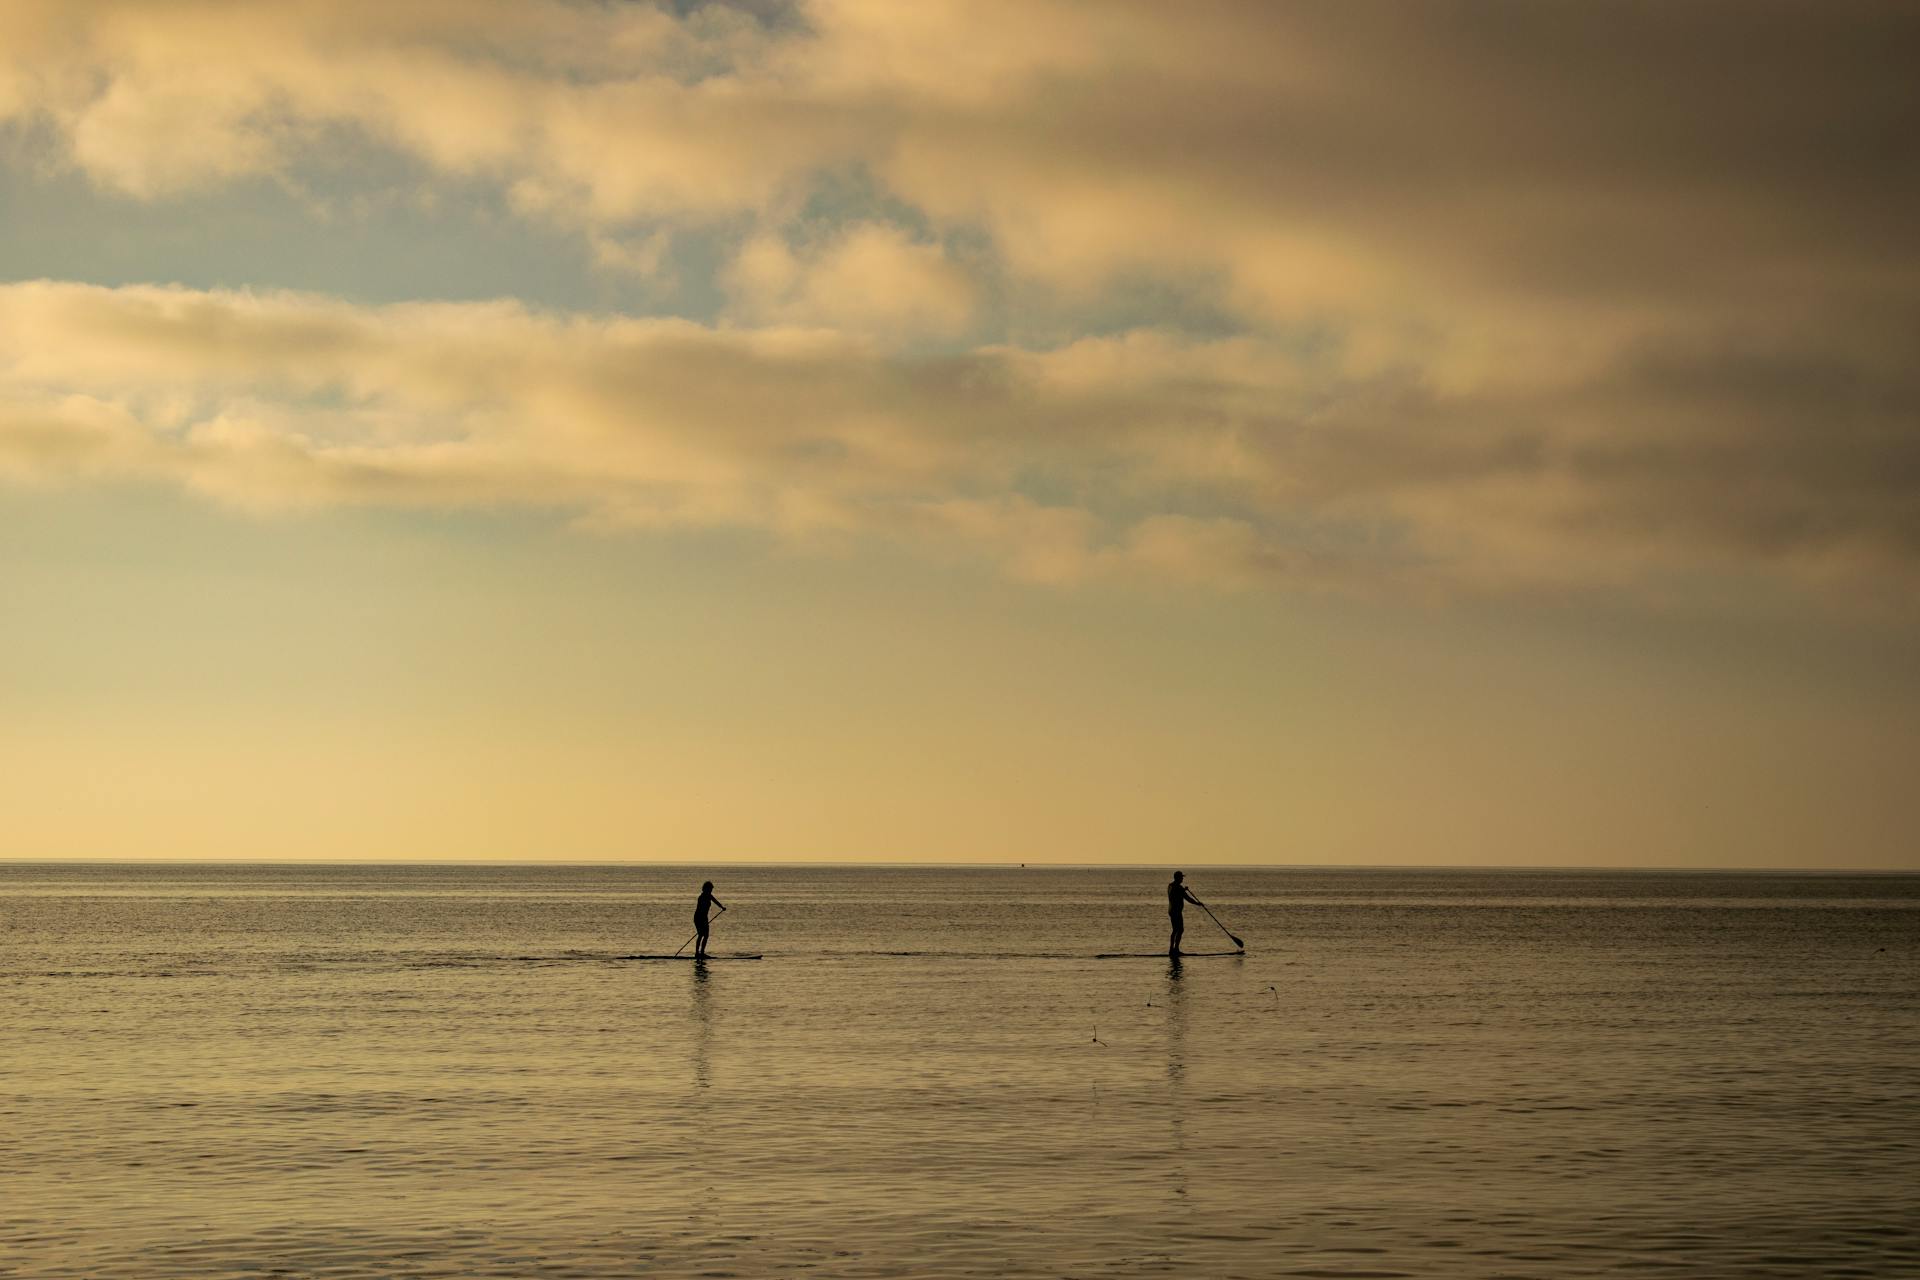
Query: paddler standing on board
x=700, y=909
x=1177, y=900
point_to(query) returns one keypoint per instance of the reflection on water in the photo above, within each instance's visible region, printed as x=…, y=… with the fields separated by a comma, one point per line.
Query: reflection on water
x=1176, y=1018
x=409, y=1072
x=702, y=1019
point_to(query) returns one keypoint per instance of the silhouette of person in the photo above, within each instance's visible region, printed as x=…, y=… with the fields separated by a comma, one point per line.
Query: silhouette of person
x=700, y=909
x=1177, y=899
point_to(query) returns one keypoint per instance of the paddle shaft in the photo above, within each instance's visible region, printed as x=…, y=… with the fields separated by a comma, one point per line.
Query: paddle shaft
x=1216, y=919
x=696, y=933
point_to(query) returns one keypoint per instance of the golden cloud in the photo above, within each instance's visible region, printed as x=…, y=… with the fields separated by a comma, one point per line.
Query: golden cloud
x=1234, y=462
x=1474, y=167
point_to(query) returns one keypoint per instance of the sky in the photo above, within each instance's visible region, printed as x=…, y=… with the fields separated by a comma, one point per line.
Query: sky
x=1476, y=432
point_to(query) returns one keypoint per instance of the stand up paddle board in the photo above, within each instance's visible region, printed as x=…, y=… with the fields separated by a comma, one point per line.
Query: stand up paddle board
x=686, y=957
x=1161, y=955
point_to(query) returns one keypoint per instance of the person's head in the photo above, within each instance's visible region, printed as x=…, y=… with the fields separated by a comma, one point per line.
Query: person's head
x=1179, y=875
x=707, y=887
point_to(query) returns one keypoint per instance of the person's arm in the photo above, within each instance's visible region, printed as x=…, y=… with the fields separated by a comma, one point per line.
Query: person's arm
x=719, y=904
x=1190, y=898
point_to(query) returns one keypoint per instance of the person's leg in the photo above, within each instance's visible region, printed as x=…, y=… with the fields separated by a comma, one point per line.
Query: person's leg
x=1173, y=943
x=700, y=943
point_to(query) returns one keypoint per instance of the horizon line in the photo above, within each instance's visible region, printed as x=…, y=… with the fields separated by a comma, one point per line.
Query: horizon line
x=1006, y=864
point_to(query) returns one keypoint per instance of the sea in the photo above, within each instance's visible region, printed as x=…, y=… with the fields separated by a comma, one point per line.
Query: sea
x=216, y=1071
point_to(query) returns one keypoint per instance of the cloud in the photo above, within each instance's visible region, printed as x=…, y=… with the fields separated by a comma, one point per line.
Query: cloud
x=1303, y=160
x=1494, y=294
x=1237, y=462
x=870, y=279
x=615, y=109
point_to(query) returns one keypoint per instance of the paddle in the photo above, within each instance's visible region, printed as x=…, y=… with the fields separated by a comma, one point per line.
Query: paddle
x=1216, y=919
x=696, y=933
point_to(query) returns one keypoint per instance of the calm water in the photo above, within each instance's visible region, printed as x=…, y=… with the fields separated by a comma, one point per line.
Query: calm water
x=438, y=1071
